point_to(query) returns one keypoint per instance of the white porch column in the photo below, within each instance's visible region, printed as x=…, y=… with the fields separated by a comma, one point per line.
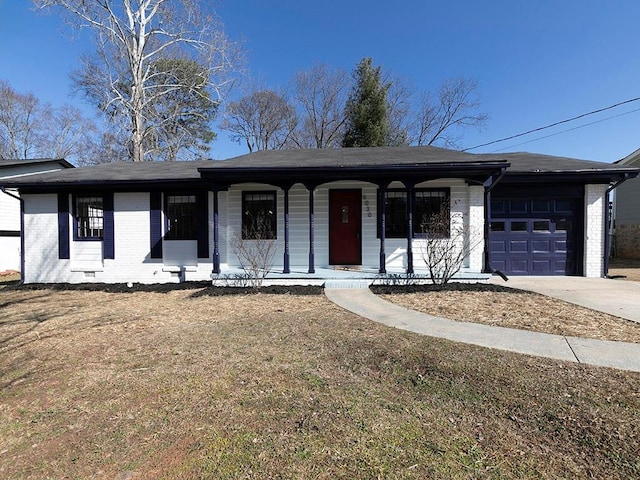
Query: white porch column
x=476, y=228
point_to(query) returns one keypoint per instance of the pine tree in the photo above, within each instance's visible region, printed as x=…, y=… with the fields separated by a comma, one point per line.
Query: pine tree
x=366, y=108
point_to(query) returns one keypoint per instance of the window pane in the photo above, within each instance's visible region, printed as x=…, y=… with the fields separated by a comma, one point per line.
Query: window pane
x=518, y=226
x=497, y=226
x=181, y=217
x=541, y=226
x=431, y=213
x=259, y=215
x=89, y=217
x=396, y=214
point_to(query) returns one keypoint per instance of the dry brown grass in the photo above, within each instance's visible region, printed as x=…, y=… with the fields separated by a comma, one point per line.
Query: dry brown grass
x=518, y=309
x=171, y=385
x=625, y=269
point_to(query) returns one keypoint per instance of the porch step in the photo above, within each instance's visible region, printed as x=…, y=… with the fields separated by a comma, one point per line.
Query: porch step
x=348, y=283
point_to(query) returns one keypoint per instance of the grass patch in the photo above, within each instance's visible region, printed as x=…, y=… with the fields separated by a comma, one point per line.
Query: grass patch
x=174, y=385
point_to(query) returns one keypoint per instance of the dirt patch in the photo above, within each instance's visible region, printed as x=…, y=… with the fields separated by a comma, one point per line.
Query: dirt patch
x=198, y=289
x=625, y=269
x=506, y=307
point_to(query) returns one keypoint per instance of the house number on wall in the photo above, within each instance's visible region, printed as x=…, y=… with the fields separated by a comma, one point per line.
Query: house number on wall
x=366, y=205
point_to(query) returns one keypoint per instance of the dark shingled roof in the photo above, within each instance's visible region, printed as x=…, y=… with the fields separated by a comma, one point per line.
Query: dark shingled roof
x=162, y=173
x=348, y=157
x=34, y=161
x=121, y=172
x=523, y=162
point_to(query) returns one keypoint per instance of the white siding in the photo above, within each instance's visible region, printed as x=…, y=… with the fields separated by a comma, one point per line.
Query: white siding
x=9, y=213
x=86, y=256
x=628, y=202
x=9, y=222
x=180, y=253
x=9, y=253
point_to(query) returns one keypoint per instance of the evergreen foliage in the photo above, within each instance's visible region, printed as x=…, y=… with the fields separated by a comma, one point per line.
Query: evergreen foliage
x=366, y=109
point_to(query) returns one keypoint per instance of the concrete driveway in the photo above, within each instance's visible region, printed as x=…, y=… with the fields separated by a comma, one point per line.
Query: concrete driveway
x=616, y=297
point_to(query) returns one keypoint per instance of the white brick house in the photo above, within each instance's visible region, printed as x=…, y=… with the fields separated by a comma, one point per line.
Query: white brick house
x=324, y=210
x=10, y=245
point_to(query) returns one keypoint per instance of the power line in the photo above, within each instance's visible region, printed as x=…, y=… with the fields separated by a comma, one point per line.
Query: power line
x=553, y=124
x=569, y=129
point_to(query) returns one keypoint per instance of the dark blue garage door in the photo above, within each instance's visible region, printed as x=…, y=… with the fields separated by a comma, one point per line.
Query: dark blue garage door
x=534, y=237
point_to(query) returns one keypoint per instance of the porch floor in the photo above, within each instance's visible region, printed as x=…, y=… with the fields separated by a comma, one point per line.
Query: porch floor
x=340, y=277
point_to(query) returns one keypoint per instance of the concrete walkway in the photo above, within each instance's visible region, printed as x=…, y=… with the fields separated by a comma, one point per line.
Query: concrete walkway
x=621, y=355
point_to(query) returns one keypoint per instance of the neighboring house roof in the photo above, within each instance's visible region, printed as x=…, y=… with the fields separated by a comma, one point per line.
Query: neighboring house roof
x=35, y=161
x=632, y=159
x=327, y=164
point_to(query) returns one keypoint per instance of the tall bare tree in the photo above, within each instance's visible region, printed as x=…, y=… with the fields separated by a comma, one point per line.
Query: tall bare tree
x=263, y=120
x=321, y=93
x=442, y=120
x=20, y=120
x=30, y=128
x=131, y=36
x=399, y=111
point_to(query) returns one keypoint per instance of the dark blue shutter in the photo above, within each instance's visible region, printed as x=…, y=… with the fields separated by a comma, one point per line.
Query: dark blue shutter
x=202, y=215
x=109, y=234
x=63, y=226
x=155, y=209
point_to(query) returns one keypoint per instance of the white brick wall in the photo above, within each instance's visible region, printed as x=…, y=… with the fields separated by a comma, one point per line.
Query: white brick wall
x=594, y=230
x=41, y=241
x=132, y=247
x=476, y=228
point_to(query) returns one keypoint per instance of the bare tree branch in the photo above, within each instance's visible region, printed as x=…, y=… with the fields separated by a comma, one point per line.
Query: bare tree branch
x=29, y=128
x=131, y=38
x=321, y=93
x=457, y=106
x=263, y=120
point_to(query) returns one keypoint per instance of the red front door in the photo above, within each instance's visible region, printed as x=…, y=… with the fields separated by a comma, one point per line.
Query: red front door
x=345, y=227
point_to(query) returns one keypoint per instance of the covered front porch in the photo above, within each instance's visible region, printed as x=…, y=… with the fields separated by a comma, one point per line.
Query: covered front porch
x=341, y=277
x=342, y=208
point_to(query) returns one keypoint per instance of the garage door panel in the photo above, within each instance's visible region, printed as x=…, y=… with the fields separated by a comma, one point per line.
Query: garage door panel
x=541, y=206
x=519, y=246
x=539, y=236
x=560, y=246
x=541, y=246
x=518, y=266
x=541, y=267
x=560, y=267
x=498, y=246
x=518, y=206
x=499, y=265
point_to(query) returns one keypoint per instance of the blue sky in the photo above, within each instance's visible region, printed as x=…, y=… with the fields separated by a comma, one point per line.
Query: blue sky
x=537, y=62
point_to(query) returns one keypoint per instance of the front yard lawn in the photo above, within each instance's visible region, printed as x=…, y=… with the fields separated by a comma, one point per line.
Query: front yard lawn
x=180, y=384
